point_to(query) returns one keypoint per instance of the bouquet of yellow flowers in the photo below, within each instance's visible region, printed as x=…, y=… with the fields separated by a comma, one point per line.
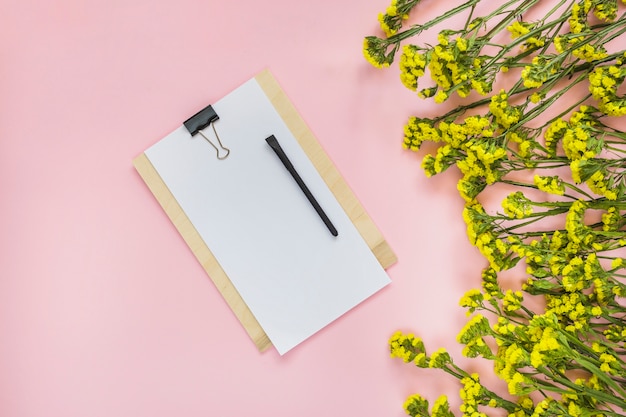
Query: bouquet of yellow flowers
x=537, y=113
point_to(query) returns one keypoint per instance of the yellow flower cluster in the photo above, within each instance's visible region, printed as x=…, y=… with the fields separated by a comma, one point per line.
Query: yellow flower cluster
x=470, y=187
x=577, y=168
x=578, y=234
x=553, y=135
x=439, y=359
x=590, y=53
x=578, y=19
x=391, y=20
x=472, y=299
x=604, y=83
x=615, y=333
x=509, y=359
x=461, y=135
x=580, y=47
x=416, y=405
x=610, y=364
x=374, y=51
x=572, y=55
x=538, y=72
x=599, y=183
x=480, y=234
x=533, y=43
x=512, y=300
x=405, y=347
x=574, y=274
x=475, y=328
x=542, y=408
x=582, y=142
x=545, y=341
x=576, y=143
x=441, y=407
x=612, y=220
x=418, y=130
x=570, y=310
x=472, y=394
x=519, y=384
x=481, y=161
x=503, y=327
x=518, y=29
x=477, y=347
x=394, y=16
x=517, y=206
x=505, y=115
x=476, y=159
x=450, y=66
x=489, y=277
x=445, y=157
x=551, y=184
x=617, y=263
x=605, y=10
x=525, y=146
x=412, y=65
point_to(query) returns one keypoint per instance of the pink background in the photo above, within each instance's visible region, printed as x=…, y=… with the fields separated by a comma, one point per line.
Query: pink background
x=104, y=311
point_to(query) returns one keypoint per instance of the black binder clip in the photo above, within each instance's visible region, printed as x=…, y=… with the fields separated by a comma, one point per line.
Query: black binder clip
x=205, y=117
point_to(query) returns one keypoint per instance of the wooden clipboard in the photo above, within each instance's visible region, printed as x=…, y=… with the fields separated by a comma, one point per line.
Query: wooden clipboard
x=344, y=195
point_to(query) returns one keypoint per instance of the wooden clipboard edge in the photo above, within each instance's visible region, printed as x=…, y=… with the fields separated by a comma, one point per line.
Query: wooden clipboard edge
x=353, y=208
x=195, y=242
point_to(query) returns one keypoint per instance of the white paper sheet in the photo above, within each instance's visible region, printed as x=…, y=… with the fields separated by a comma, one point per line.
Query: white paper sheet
x=292, y=273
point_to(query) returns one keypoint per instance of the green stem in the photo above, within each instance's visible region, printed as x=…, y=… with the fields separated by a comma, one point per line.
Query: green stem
x=417, y=29
x=600, y=395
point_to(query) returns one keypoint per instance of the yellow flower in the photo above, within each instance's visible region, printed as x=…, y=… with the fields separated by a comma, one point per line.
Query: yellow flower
x=505, y=114
x=391, y=20
x=421, y=360
x=405, y=347
x=442, y=38
x=518, y=384
x=412, y=65
x=477, y=327
x=428, y=165
x=471, y=299
x=417, y=130
x=416, y=405
x=609, y=362
x=577, y=21
x=512, y=300
x=441, y=96
x=441, y=407
x=606, y=10
x=598, y=183
x=461, y=44
x=590, y=53
x=538, y=72
x=517, y=206
x=439, y=359
x=550, y=184
x=554, y=133
x=374, y=52
x=518, y=29
x=617, y=263
x=573, y=409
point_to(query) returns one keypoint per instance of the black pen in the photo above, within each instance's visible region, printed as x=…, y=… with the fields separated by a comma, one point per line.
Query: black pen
x=273, y=142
